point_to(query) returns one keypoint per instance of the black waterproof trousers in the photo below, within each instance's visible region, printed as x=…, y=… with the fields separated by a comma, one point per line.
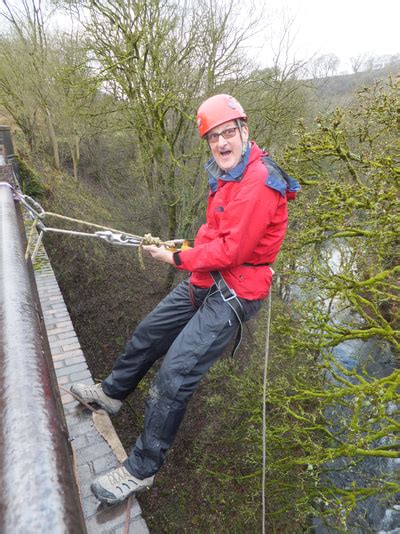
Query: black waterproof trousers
x=191, y=326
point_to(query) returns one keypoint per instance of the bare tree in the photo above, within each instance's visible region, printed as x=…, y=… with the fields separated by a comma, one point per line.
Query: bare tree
x=275, y=96
x=28, y=37
x=162, y=58
x=323, y=66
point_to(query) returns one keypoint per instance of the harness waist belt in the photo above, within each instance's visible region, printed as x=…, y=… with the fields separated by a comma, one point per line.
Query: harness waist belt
x=228, y=294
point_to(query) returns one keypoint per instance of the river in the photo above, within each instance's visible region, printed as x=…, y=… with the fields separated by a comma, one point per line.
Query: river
x=379, y=513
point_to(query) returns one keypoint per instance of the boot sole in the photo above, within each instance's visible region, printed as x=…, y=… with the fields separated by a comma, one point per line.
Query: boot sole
x=96, y=403
x=110, y=501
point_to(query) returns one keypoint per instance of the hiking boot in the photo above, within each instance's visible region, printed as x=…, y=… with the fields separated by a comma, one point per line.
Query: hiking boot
x=95, y=393
x=118, y=484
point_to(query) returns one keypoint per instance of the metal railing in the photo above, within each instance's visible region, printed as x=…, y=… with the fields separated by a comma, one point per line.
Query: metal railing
x=38, y=487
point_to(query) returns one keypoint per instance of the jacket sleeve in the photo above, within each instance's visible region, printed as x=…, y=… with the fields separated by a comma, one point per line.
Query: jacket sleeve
x=243, y=223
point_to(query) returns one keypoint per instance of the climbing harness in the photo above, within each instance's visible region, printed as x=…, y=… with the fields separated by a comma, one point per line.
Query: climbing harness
x=229, y=296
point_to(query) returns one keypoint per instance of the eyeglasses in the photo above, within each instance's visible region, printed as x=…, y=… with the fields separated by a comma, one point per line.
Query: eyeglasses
x=226, y=134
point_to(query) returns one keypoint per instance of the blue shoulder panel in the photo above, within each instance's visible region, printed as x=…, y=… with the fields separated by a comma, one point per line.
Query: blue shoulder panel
x=278, y=179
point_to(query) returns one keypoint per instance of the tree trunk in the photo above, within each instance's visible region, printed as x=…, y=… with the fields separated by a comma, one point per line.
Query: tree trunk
x=76, y=155
x=54, y=141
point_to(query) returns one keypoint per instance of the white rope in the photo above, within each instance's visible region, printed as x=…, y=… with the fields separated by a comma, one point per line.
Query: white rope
x=33, y=256
x=264, y=412
x=30, y=238
x=37, y=212
x=69, y=232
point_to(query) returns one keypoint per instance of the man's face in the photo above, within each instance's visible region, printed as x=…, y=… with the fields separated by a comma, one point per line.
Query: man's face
x=227, y=152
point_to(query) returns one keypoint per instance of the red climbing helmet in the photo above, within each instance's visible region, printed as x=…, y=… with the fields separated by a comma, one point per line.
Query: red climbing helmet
x=216, y=110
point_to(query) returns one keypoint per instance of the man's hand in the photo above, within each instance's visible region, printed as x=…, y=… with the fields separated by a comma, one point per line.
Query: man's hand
x=159, y=253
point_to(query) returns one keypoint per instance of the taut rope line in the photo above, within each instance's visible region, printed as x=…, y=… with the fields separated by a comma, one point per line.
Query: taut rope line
x=110, y=234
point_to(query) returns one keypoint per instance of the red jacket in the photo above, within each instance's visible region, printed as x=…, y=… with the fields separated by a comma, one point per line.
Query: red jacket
x=246, y=223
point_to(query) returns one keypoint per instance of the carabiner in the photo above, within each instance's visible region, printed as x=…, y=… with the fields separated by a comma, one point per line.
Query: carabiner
x=118, y=239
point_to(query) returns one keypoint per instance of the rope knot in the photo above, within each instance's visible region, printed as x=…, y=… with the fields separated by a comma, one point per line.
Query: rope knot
x=148, y=239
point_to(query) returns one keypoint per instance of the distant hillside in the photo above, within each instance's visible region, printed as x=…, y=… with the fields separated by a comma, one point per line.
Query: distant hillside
x=347, y=83
x=339, y=90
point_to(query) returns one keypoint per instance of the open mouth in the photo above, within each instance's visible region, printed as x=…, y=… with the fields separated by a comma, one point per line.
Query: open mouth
x=225, y=153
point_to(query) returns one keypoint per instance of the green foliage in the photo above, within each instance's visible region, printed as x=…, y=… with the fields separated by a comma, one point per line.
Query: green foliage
x=339, y=276
x=344, y=255
x=351, y=176
x=32, y=184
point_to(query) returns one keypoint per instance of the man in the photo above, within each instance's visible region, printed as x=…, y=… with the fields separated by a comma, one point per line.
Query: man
x=246, y=223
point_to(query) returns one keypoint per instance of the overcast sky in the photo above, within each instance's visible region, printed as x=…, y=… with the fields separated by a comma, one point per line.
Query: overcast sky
x=346, y=28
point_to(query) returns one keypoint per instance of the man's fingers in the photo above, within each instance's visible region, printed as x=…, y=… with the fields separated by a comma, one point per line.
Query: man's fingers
x=151, y=248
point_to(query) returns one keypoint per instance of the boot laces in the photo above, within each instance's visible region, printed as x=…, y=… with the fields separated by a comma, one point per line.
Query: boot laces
x=92, y=391
x=120, y=476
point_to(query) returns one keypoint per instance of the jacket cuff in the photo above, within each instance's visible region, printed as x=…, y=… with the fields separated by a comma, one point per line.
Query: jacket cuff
x=176, y=258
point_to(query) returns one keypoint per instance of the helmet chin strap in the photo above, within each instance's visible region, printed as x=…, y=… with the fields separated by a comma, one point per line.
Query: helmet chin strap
x=244, y=145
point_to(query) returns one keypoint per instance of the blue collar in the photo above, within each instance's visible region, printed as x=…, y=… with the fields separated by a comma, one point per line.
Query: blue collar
x=234, y=175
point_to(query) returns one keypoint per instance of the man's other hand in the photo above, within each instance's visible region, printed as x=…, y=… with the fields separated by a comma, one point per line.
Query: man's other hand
x=159, y=253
